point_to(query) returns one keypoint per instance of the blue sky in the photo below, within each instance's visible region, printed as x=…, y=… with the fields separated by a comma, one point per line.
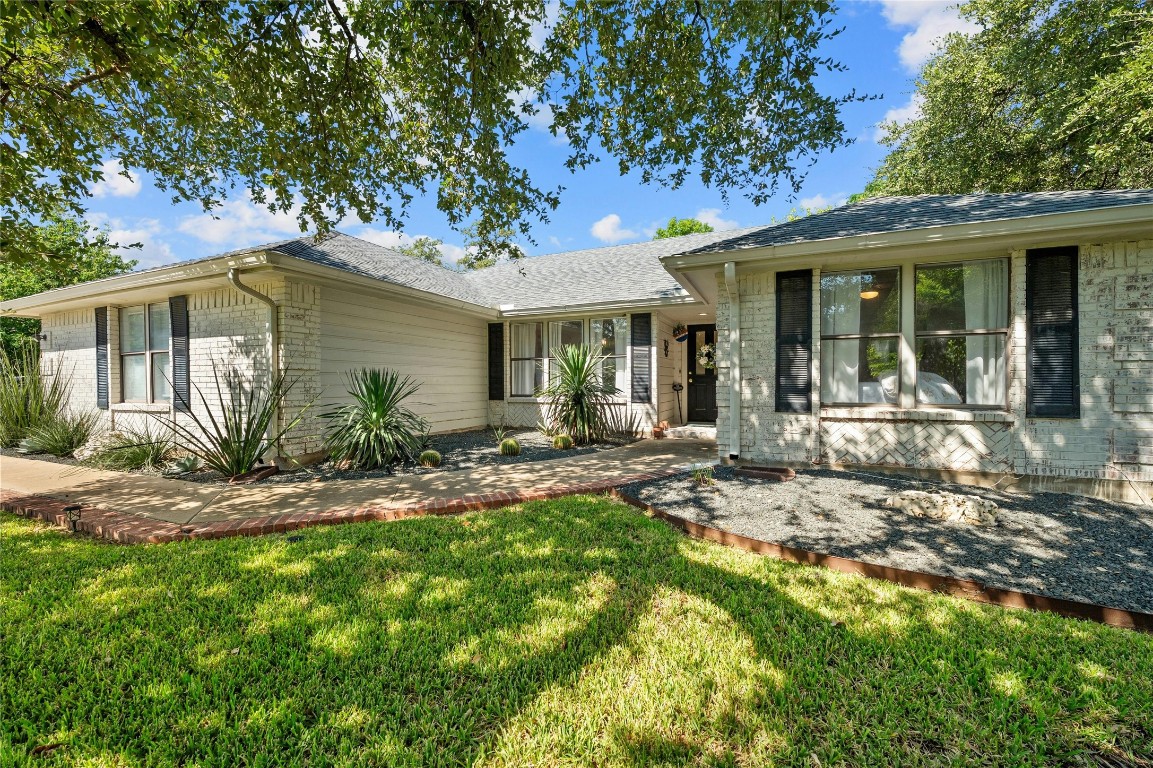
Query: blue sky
x=883, y=45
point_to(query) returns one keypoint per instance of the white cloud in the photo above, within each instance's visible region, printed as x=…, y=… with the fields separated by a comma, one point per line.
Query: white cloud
x=899, y=115
x=931, y=20
x=554, y=241
x=114, y=184
x=240, y=223
x=450, y=253
x=609, y=230
x=818, y=201
x=712, y=217
x=153, y=252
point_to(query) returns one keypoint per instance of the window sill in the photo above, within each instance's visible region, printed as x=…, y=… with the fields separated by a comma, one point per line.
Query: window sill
x=922, y=414
x=141, y=407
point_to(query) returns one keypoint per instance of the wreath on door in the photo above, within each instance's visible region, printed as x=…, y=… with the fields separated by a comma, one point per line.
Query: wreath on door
x=707, y=356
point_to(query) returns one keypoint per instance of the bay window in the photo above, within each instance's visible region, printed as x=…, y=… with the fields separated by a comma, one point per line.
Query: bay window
x=145, y=354
x=958, y=339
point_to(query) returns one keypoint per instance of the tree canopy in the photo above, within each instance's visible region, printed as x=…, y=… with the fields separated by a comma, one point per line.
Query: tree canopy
x=1046, y=95
x=331, y=109
x=82, y=255
x=423, y=248
x=677, y=227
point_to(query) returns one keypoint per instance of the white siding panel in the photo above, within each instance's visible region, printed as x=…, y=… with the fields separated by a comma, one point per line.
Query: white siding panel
x=445, y=351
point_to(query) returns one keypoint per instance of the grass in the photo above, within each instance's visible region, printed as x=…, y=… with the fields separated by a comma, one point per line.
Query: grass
x=574, y=632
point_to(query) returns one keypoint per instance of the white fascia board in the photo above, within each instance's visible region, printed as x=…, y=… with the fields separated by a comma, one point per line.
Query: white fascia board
x=1115, y=222
x=614, y=306
x=103, y=291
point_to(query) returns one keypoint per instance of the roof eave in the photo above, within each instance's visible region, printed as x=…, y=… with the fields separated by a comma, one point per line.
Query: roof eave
x=1136, y=218
x=600, y=306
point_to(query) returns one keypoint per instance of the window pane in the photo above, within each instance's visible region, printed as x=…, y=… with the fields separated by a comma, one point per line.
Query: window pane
x=961, y=297
x=132, y=329
x=564, y=333
x=961, y=369
x=859, y=371
x=612, y=373
x=527, y=377
x=527, y=340
x=866, y=302
x=159, y=326
x=161, y=376
x=610, y=335
x=134, y=375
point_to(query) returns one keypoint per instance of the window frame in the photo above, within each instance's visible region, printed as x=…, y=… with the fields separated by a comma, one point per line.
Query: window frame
x=545, y=361
x=907, y=335
x=1003, y=332
x=148, y=353
x=860, y=336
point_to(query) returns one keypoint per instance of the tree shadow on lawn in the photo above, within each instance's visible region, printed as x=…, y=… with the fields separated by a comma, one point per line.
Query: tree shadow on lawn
x=567, y=631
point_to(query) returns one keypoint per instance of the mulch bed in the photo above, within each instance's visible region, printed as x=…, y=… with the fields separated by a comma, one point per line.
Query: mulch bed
x=1053, y=544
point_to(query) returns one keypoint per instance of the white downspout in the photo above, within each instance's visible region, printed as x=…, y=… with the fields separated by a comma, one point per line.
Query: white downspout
x=273, y=340
x=734, y=360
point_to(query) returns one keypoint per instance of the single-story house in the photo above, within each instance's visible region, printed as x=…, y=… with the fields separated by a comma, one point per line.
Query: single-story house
x=984, y=333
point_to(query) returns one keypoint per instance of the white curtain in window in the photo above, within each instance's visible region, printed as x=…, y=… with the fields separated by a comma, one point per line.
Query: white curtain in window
x=986, y=300
x=841, y=360
x=525, y=343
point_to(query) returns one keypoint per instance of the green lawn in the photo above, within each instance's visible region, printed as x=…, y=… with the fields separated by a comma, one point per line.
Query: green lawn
x=574, y=632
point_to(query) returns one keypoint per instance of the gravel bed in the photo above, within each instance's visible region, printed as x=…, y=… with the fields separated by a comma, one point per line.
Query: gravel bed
x=1052, y=544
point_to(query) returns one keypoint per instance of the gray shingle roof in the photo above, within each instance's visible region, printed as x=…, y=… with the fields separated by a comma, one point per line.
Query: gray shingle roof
x=897, y=214
x=617, y=273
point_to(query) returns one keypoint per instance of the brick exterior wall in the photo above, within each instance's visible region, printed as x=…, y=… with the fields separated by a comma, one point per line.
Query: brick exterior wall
x=1113, y=439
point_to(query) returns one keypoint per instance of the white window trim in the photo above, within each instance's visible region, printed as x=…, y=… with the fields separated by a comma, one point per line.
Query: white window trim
x=586, y=333
x=907, y=359
x=151, y=402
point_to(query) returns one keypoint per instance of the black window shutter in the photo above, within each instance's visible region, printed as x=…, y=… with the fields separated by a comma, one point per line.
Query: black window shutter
x=641, y=328
x=1053, y=380
x=181, y=385
x=496, y=361
x=102, y=358
x=795, y=341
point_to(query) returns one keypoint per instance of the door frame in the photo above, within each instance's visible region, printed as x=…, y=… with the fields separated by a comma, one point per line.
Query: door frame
x=690, y=371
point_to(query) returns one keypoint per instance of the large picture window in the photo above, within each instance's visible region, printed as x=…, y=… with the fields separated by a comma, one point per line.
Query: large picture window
x=527, y=359
x=610, y=339
x=962, y=318
x=534, y=348
x=860, y=336
x=562, y=333
x=145, y=355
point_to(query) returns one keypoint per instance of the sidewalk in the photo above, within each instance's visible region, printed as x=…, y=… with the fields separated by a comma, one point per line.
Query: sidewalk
x=133, y=508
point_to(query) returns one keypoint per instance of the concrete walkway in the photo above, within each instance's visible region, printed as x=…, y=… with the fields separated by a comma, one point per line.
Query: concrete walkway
x=197, y=504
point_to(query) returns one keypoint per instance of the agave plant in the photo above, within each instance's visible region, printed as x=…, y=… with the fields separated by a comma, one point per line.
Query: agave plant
x=236, y=430
x=579, y=401
x=377, y=428
x=28, y=399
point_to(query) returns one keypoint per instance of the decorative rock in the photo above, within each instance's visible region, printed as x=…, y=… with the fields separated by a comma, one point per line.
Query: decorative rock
x=96, y=444
x=942, y=505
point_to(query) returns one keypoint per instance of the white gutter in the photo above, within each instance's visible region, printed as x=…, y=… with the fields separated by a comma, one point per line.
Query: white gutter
x=734, y=360
x=273, y=343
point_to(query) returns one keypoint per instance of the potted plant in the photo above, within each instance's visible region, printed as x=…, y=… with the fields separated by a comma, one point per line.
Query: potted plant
x=680, y=331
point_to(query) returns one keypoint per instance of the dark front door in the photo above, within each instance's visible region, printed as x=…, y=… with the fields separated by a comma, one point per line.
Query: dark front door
x=702, y=378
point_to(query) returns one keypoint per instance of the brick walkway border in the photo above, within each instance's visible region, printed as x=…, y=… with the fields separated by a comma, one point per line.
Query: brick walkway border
x=137, y=529
x=966, y=588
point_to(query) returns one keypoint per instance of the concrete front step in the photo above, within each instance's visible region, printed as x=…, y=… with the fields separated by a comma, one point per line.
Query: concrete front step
x=692, y=432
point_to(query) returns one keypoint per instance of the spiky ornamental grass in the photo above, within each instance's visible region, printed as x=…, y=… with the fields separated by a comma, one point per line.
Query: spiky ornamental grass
x=569, y=632
x=579, y=403
x=129, y=449
x=61, y=434
x=236, y=431
x=377, y=429
x=28, y=396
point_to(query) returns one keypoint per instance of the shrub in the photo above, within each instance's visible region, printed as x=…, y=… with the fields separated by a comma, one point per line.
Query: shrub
x=509, y=447
x=62, y=434
x=237, y=430
x=377, y=429
x=703, y=475
x=27, y=398
x=430, y=459
x=580, y=404
x=562, y=442
x=134, y=449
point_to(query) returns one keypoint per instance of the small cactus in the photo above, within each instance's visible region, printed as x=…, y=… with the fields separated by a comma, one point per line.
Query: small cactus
x=562, y=442
x=509, y=447
x=430, y=459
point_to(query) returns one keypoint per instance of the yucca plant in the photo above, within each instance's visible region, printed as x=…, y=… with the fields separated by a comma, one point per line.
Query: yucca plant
x=27, y=398
x=377, y=429
x=579, y=402
x=236, y=430
x=130, y=449
x=62, y=434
